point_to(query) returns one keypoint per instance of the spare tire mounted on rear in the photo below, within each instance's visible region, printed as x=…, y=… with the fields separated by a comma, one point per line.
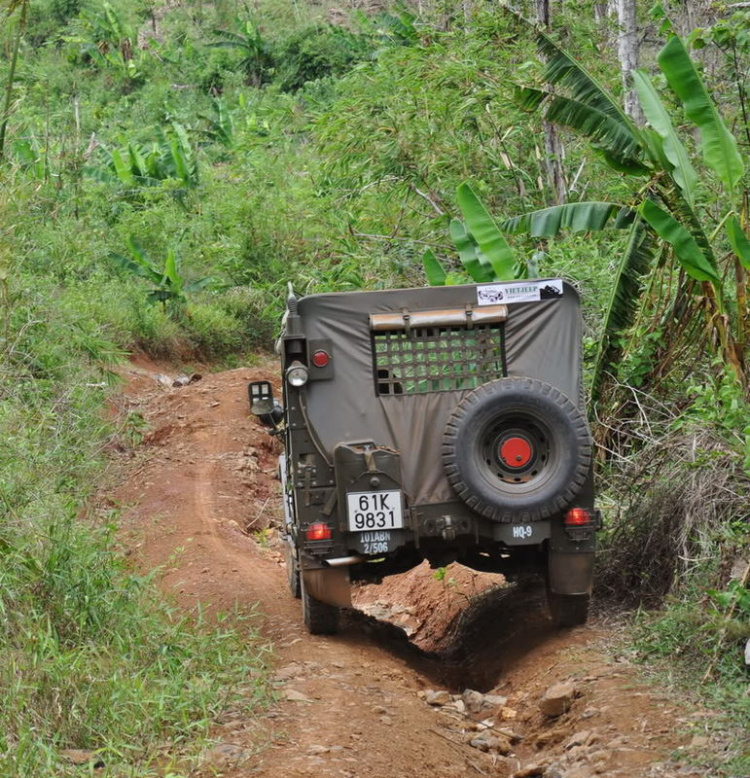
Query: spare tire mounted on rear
x=517, y=448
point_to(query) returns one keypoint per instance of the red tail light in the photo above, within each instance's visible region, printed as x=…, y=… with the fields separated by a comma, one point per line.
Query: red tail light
x=577, y=517
x=318, y=531
x=320, y=358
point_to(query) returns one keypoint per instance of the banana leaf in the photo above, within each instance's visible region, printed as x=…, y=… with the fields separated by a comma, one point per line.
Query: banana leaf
x=608, y=132
x=207, y=282
x=562, y=69
x=489, y=238
x=136, y=268
x=137, y=162
x=718, y=145
x=623, y=302
x=689, y=254
x=653, y=108
x=122, y=169
x=474, y=262
x=171, y=270
x=739, y=242
x=576, y=217
x=433, y=269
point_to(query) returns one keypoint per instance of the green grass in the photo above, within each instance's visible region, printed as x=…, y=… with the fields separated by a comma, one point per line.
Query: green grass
x=91, y=657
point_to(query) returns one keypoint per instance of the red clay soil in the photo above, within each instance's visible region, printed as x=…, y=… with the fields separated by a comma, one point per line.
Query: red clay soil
x=200, y=501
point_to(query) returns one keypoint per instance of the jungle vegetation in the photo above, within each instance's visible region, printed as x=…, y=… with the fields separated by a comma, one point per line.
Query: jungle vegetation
x=167, y=168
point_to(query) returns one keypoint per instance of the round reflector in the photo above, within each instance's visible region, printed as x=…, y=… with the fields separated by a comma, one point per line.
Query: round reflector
x=320, y=358
x=515, y=452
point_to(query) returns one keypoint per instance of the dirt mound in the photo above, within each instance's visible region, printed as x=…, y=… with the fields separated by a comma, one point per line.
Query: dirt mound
x=426, y=603
x=200, y=502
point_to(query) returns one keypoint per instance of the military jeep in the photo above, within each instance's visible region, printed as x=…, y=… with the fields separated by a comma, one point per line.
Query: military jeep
x=442, y=424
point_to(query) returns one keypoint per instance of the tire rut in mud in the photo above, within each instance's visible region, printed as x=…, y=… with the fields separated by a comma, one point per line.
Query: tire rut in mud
x=494, y=630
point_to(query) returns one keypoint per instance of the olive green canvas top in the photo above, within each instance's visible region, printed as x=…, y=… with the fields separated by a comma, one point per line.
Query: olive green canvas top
x=539, y=339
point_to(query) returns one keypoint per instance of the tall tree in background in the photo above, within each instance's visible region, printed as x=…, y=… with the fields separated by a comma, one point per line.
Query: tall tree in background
x=22, y=6
x=627, y=53
x=553, y=148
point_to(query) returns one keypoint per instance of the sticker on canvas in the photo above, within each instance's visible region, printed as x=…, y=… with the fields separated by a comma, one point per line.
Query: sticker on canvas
x=519, y=291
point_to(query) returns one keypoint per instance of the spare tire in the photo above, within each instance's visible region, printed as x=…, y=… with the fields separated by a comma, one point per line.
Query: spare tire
x=517, y=449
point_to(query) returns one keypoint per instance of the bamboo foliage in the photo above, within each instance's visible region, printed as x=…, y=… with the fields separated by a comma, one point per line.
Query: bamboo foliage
x=22, y=7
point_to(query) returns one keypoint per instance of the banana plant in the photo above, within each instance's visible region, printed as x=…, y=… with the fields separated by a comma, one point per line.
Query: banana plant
x=220, y=127
x=31, y=155
x=171, y=157
x=395, y=27
x=668, y=215
x=257, y=60
x=169, y=285
x=108, y=41
x=482, y=248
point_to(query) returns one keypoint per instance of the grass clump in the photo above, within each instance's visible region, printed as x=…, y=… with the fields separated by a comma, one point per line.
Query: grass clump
x=91, y=659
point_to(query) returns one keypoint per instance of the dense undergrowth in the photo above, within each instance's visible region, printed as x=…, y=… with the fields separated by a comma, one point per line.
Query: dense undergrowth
x=168, y=169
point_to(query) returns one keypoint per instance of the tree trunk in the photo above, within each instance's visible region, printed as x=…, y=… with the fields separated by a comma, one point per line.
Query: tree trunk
x=627, y=52
x=554, y=153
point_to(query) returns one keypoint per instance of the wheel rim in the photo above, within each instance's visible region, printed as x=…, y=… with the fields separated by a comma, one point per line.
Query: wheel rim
x=515, y=450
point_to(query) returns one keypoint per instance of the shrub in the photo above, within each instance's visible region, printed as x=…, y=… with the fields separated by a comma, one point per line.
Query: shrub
x=318, y=52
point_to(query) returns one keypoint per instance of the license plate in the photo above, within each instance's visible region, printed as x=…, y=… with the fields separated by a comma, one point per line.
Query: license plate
x=374, y=510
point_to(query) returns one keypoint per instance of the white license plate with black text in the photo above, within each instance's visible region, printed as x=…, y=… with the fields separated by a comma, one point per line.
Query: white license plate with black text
x=374, y=510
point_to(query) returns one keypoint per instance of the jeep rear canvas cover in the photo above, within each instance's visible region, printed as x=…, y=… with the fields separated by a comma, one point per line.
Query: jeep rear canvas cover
x=399, y=386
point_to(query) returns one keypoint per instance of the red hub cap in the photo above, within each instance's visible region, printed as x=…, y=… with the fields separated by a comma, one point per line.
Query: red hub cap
x=515, y=452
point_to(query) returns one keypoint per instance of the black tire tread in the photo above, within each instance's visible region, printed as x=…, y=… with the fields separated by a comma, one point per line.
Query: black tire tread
x=320, y=618
x=292, y=570
x=452, y=456
x=568, y=610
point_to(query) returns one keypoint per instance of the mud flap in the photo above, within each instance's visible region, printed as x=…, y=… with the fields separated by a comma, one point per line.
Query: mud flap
x=329, y=585
x=570, y=573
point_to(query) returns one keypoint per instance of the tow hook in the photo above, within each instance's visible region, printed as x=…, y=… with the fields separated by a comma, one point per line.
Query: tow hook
x=445, y=525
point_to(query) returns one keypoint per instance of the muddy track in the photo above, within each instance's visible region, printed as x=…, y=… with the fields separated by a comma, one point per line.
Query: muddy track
x=200, y=502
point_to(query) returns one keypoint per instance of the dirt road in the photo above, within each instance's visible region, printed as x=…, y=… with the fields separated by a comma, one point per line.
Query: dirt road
x=200, y=501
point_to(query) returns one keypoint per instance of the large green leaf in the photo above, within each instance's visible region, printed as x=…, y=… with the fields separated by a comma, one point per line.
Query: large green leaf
x=230, y=40
x=607, y=131
x=739, y=242
x=489, y=238
x=137, y=163
x=136, y=268
x=122, y=168
x=434, y=271
x=717, y=143
x=201, y=283
x=654, y=110
x=171, y=270
x=474, y=262
x=576, y=217
x=562, y=69
x=623, y=302
x=689, y=254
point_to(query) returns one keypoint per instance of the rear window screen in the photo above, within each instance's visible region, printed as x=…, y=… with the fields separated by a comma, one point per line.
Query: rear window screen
x=437, y=359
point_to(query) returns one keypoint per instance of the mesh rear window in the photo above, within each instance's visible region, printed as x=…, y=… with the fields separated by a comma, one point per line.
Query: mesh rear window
x=437, y=359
